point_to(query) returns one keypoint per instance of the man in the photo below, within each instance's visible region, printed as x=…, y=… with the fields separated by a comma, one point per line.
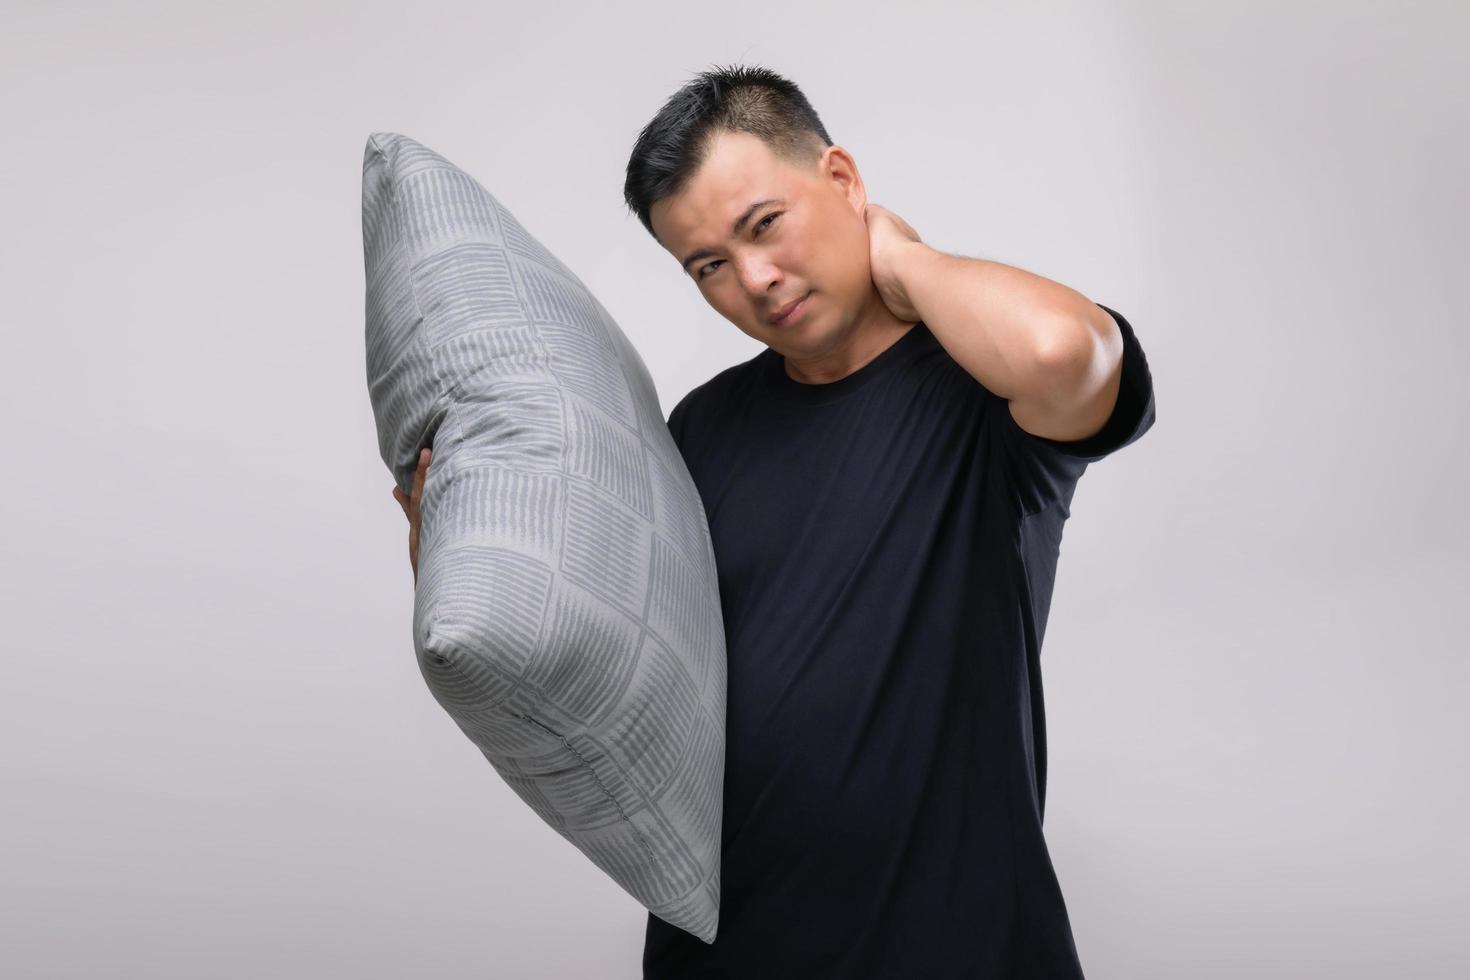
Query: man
x=885, y=484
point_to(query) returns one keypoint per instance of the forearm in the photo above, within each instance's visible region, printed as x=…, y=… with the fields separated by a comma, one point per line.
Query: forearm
x=1010, y=329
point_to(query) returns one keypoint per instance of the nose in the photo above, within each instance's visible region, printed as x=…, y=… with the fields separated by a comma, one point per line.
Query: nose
x=758, y=275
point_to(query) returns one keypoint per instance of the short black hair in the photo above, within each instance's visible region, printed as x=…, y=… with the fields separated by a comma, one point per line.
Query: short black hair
x=739, y=98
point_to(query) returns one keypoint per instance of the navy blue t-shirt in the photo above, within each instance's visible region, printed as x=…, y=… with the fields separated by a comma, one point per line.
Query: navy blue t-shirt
x=886, y=547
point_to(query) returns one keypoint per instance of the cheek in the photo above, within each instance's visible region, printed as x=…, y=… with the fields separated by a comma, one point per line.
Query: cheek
x=843, y=255
x=846, y=267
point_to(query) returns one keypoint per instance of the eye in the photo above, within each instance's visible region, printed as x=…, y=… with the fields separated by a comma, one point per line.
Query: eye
x=700, y=273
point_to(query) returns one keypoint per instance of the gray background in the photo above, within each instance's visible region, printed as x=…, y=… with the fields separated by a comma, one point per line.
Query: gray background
x=219, y=757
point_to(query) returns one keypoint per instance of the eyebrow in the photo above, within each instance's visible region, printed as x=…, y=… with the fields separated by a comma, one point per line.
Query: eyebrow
x=740, y=222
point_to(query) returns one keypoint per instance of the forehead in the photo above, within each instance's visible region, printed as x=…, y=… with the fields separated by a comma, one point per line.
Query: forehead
x=738, y=170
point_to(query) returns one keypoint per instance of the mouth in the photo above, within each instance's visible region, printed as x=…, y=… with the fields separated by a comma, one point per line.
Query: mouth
x=790, y=313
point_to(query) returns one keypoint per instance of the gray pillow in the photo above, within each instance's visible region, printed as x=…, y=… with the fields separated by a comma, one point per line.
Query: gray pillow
x=567, y=610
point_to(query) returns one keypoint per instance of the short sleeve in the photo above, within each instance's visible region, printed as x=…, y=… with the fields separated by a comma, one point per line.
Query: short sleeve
x=1046, y=470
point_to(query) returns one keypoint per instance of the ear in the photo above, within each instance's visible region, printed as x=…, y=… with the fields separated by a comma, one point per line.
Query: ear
x=839, y=167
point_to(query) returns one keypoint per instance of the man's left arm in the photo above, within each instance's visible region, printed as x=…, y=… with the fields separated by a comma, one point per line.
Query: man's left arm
x=1053, y=354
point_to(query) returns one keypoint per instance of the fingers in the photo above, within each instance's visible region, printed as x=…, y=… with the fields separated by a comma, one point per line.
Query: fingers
x=410, y=505
x=419, y=476
x=410, y=501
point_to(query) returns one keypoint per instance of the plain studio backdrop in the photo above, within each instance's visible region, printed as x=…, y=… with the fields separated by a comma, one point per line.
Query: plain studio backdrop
x=220, y=759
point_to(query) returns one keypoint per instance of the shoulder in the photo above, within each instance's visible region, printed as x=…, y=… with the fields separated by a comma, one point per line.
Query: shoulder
x=705, y=405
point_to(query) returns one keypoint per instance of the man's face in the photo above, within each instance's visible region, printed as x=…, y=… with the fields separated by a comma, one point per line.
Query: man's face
x=811, y=238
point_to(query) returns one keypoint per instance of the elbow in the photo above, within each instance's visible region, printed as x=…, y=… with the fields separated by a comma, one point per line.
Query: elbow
x=1074, y=359
x=1065, y=352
